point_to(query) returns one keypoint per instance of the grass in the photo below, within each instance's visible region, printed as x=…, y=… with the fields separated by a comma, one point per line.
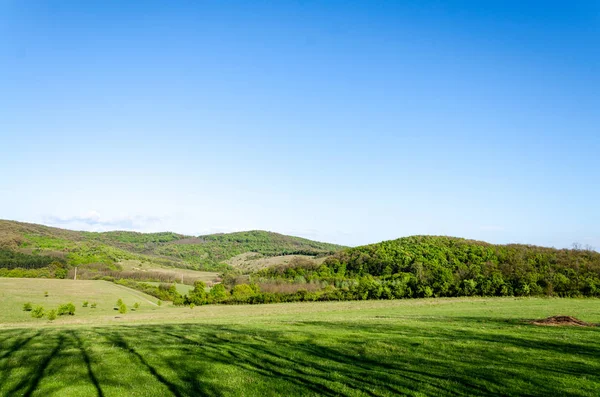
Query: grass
x=251, y=261
x=14, y=293
x=183, y=289
x=437, y=347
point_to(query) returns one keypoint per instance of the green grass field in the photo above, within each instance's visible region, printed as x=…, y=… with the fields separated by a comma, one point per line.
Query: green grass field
x=421, y=347
x=15, y=292
x=183, y=289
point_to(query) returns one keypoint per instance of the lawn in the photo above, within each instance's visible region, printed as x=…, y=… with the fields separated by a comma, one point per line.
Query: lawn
x=422, y=347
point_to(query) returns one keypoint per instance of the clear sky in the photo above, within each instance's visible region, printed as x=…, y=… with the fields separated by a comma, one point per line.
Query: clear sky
x=344, y=121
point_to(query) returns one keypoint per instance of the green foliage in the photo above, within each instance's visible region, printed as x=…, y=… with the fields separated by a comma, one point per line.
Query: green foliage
x=37, y=312
x=136, y=306
x=164, y=291
x=425, y=266
x=119, y=302
x=66, y=309
x=159, y=303
x=93, y=305
x=27, y=307
x=123, y=308
x=46, y=294
x=243, y=293
x=198, y=295
x=90, y=251
x=13, y=260
x=52, y=315
x=85, y=304
x=218, y=293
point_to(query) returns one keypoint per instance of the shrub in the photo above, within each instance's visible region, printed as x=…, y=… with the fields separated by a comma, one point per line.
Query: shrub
x=67, y=308
x=93, y=306
x=85, y=304
x=52, y=315
x=123, y=308
x=119, y=302
x=192, y=305
x=218, y=293
x=46, y=294
x=27, y=307
x=136, y=306
x=38, y=312
x=159, y=303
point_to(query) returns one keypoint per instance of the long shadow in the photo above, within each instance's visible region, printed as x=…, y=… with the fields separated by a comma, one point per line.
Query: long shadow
x=122, y=344
x=88, y=363
x=329, y=358
x=18, y=346
x=32, y=381
x=362, y=374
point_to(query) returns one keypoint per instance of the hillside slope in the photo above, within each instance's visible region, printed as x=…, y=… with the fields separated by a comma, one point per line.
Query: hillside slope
x=422, y=266
x=24, y=245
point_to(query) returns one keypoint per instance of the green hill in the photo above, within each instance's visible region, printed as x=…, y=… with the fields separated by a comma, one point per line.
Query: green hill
x=423, y=266
x=31, y=246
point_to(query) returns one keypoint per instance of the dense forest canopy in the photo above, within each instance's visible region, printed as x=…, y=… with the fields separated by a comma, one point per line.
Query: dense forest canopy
x=422, y=266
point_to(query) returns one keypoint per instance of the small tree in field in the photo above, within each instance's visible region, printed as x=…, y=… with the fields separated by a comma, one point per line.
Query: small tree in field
x=123, y=308
x=136, y=306
x=52, y=315
x=85, y=304
x=27, y=307
x=93, y=305
x=65, y=309
x=159, y=303
x=46, y=294
x=119, y=302
x=38, y=312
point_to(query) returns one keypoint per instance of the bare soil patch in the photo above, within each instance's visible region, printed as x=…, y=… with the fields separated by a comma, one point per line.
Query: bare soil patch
x=561, y=321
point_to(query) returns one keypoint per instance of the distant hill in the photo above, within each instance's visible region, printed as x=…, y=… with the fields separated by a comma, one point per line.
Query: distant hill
x=32, y=246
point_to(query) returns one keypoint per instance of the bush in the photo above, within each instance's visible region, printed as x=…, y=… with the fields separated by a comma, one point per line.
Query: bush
x=159, y=303
x=46, y=294
x=85, y=304
x=136, y=306
x=192, y=306
x=119, y=302
x=67, y=308
x=27, y=307
x=93, y=306
x=218, y=293
x=52, y=315
x=38, y=312
x=123, y=308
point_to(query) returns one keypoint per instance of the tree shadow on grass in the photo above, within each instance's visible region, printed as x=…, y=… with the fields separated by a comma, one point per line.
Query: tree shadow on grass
x=88, y=363
x=308, y=358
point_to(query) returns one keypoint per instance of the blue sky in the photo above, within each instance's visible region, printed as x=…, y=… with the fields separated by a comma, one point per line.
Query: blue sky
x=345, y=121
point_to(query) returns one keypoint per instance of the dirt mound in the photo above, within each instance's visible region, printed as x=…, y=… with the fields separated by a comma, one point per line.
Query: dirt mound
x=562, y=320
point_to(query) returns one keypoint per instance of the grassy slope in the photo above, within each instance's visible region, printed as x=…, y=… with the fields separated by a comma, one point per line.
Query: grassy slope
x=466, y=346
x=249, y=261
x=151, y=250
x=15, y=292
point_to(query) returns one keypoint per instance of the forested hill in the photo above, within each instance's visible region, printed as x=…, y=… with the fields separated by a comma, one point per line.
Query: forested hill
x=30, y=246
x=445, y=266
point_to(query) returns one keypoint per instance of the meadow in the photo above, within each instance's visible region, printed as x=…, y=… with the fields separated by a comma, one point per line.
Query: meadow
x=418, y=347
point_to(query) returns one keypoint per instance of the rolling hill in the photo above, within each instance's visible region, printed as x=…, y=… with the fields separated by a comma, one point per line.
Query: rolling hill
x=425, y=266
x=32, y=246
